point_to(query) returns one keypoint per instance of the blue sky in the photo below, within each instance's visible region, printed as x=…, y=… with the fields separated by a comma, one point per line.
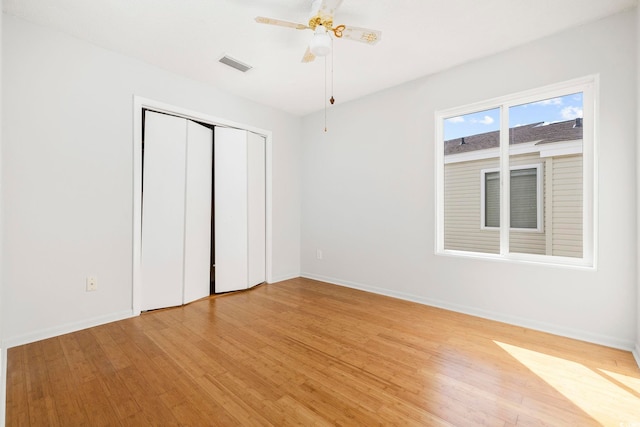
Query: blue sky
x=551, y=110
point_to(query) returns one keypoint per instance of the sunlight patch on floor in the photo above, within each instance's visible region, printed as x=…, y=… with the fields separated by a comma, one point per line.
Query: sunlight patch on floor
x=633, y=384
x=610, y=398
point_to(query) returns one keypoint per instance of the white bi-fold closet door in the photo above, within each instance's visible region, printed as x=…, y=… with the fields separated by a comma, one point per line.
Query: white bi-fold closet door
x=239, y=209
x=179, y=161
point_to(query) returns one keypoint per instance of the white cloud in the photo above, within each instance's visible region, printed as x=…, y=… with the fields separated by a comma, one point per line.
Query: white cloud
x=570, y=113
x=458, y=119
x=486, y=120
x=552, y=101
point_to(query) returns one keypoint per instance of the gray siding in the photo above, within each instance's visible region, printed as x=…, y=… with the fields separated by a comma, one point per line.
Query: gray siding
x=462, y=228
x=562, y=208
x=567, y=206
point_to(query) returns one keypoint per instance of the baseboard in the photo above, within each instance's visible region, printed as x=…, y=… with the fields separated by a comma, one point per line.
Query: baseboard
x=636, y=354
x=65, y=329
x=512, y=320
x=284, y=277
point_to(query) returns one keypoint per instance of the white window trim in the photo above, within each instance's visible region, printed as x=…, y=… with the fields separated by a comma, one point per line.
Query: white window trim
x=588, y=85
x=539, y=167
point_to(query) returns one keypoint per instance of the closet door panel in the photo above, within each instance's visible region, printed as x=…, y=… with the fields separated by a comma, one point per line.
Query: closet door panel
x=256, y=208
x=197, y=241
x=163, y=200
x=230, y=209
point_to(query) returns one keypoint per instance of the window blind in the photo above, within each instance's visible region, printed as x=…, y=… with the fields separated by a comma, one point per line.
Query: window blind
x=524, y=198
x=492, y=199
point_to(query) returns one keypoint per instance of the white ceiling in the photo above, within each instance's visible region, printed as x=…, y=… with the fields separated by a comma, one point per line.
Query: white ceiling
x=419, y=37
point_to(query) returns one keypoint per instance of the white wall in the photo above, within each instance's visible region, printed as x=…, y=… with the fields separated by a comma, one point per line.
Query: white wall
x=68, y=173
x=3, y=350
x=368, y=190
x=637, y=347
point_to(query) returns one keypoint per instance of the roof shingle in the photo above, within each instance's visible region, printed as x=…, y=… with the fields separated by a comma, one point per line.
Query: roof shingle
x=568, y=130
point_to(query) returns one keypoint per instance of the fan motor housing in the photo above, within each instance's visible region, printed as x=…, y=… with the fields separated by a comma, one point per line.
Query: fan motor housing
x=325, y=21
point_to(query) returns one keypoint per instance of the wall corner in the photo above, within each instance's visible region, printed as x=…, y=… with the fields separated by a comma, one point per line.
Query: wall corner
x=636, y=352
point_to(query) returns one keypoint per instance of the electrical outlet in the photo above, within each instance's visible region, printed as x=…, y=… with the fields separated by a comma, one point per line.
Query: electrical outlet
x=318, y=253
x=92, y=283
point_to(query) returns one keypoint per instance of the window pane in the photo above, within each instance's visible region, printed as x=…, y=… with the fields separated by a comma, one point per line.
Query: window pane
x=547, y=133
x=472, y=144
x=524, y=199
x=492, y=199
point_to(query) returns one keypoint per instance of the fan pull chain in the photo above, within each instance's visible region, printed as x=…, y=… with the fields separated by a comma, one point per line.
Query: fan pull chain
x=325, y=94
x=332, y=100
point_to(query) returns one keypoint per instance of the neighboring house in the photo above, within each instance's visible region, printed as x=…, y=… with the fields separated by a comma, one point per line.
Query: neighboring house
x=546, y=190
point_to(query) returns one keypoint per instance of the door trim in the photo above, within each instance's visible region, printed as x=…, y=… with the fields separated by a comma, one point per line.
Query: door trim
x=140, y=103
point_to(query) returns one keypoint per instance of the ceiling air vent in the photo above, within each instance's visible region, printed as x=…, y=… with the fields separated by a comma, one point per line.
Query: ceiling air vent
x=234, y=63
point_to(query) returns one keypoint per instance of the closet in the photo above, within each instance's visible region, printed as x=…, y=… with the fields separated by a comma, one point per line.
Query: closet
x=203, y=193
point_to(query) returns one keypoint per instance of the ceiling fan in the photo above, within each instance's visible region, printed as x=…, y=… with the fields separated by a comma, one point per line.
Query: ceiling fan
x=321, y=22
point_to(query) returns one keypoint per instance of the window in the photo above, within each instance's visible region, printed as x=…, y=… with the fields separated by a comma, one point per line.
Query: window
x=526, y=207
x=542, y=142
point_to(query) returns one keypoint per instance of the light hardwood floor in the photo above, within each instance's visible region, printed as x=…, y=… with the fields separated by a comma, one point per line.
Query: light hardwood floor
x=302, y=352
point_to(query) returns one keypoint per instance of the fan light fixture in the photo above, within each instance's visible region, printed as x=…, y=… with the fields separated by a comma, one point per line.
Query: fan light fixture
x=320, y=44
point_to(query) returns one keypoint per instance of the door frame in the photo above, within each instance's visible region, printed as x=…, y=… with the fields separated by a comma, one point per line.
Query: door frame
x=140, y=103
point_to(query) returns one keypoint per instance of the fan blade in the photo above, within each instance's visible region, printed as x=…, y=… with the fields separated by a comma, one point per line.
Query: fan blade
x=308, y=56
x=363, y=35
x=329, y=7
x=280, y=23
